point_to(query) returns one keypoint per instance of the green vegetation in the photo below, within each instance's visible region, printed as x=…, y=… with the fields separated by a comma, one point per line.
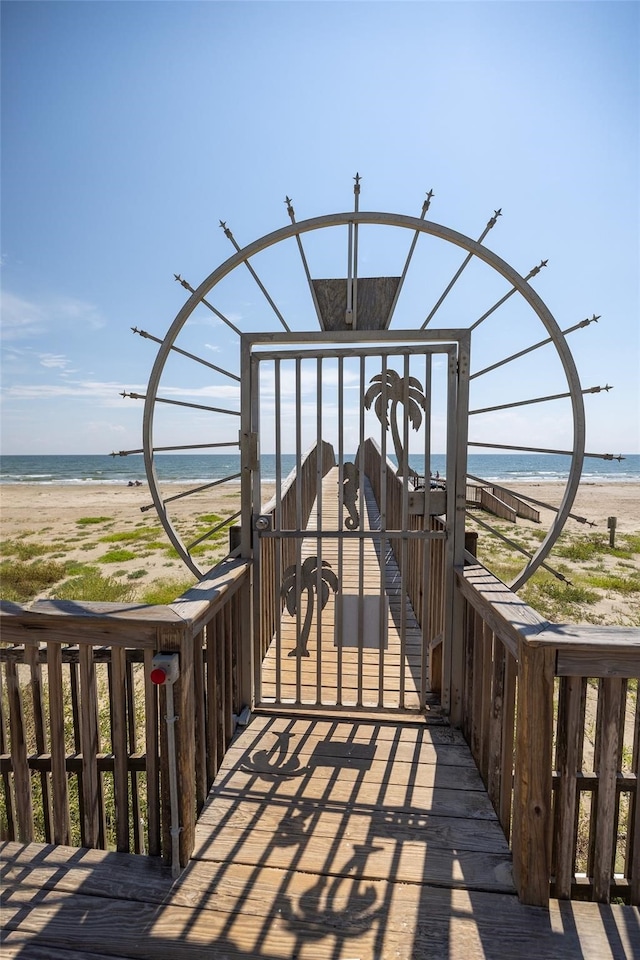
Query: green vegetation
x=117, y=556
x=166, y=591
x=23, y=549
x=609, y=581
x=21, y=582
x=91, y=585
x=594, y=569
x=86, y=521
x=146, y=533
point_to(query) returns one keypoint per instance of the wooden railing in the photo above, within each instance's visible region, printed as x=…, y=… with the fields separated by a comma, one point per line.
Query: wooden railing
x=551, y=714
x=83, y=743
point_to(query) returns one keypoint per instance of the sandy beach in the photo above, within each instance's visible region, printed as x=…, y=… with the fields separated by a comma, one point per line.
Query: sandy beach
x=33, y=506
x=91, y=522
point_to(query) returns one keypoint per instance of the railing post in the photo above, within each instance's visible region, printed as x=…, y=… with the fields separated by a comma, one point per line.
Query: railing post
x=21, y=775
x=531, y=843
x=180, y=640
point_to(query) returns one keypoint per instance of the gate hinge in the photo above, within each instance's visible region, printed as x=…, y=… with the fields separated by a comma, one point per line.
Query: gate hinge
x=249, y=449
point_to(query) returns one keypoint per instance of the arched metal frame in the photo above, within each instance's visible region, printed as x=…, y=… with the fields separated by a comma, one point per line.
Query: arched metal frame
x=393, y=220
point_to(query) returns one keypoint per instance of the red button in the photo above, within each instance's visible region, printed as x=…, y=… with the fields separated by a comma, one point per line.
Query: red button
x=158, y=675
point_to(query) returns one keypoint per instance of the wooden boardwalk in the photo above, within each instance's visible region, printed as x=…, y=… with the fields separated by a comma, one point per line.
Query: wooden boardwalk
x=384, y=667
x=320, y=840
x=323, y=838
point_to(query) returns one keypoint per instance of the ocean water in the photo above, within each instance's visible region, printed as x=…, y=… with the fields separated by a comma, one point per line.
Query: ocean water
x=201, y=468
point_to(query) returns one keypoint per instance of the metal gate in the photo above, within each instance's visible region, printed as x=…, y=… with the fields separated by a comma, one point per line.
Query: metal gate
x=339, y=506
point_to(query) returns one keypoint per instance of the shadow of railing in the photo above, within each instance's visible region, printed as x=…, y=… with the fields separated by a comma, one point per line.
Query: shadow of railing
x=320, y=839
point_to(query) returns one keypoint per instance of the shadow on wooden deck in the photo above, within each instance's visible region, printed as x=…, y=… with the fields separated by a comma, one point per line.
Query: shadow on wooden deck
x=323, y=839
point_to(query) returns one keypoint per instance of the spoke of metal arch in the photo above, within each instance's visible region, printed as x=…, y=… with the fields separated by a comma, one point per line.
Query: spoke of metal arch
x=524, y=403
x=210, y=306
x=191, y=356
x=566, y=453
x=516, y=546
x=186, y=446
x=189, y=493
x=180, y=403
x=305, y=265
x=356, y=207
x=425, y=208
x=535, y=346
x=210, y=533
x=529, y=276
x=490, y=224
x=524, y=496
x=265, y=292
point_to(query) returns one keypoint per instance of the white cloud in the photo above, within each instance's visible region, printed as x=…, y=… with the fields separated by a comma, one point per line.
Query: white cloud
x=213, y=392
x=21, y=319
x=53, y=360
x=105, y=390
x=24, y=319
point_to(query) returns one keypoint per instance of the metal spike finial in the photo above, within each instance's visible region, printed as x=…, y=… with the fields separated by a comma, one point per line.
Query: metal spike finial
x=427, y=203
x=227, y=231
x=183, y=283
x=357, y=178
x=492, y=222
x=536, y=270
x=593, y=319
x=290, y=210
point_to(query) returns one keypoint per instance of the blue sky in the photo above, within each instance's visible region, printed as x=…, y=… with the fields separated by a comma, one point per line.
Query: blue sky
x=130, y=128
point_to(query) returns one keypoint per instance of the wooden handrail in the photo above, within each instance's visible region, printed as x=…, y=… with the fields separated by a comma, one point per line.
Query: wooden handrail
x=510, y=647
x=85, y=645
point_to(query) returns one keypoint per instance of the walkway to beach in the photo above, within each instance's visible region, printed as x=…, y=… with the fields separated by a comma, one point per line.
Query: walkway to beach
x=323, y=838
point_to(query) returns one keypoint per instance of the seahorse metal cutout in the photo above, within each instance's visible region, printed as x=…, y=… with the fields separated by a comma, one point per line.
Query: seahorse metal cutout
x=350, y=485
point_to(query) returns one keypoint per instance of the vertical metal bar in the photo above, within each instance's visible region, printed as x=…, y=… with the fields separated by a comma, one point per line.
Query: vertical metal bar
x=349, y=314
x=450, y=506
x=245, y=433
x=319, y=528
x=426, y=525
x=246, y=525
x=339, y=605
x=382, y=506
x=459, y=475
x=356, y=191
x=405, y=525
x=277, y=542
x=258, y=587
x=361, y=539
x=298, y=539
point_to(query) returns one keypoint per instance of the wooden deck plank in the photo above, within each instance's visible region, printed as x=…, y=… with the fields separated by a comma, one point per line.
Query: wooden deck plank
x=228, y=911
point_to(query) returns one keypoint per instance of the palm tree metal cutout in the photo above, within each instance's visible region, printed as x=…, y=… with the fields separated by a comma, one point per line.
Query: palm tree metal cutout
x=396, y=390
x=310, y=574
